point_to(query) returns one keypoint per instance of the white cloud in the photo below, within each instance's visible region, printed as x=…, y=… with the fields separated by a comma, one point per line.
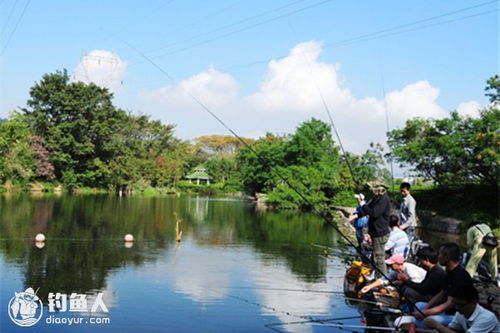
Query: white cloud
x=211, y=87
x=470, y=109
x=288, y=94
x=277, y=288
x=291, y=84
x=415, y=100
x=103, y=68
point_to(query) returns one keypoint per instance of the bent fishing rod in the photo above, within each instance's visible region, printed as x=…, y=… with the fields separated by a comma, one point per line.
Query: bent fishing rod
x=326, y=216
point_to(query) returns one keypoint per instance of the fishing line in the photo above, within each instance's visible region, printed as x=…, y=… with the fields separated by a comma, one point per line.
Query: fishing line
x=302, y=322
x=270, y=308
x=291, y=290
x=326, y=216
x=325, y=105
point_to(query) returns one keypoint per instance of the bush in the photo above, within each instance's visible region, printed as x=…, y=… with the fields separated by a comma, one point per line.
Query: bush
x=345, y=199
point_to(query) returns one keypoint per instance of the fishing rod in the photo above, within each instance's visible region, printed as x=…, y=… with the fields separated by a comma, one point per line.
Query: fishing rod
x=303, y=322
x=366, y=327
x=380, y=304
x=325, y=106
x=291, y=290
x=326, y=216
x=387, y=127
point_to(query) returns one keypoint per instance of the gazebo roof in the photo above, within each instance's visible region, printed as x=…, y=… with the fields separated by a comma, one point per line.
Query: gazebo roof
x=199, y=173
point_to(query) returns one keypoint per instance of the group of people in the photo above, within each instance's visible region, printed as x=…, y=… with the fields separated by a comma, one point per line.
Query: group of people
x=386, y=232
x=438, y=291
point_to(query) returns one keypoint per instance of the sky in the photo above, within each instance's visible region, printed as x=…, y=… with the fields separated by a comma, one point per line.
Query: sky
x=260, y=66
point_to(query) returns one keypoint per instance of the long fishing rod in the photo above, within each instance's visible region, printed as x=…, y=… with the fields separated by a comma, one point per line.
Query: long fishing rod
x=303, y=322
x=327, y=217
x=366, y=327
x=292, y=290
x=325, y=106
x=387, y=126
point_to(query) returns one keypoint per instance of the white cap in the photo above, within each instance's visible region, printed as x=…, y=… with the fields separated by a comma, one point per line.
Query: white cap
x=404, y=320
x=360, y=196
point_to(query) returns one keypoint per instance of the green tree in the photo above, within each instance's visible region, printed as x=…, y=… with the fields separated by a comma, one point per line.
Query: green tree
x=493, y=89
x=76, y=121
x=221, y=168
x=16, y=158
x=256, y=164
x=454, y=151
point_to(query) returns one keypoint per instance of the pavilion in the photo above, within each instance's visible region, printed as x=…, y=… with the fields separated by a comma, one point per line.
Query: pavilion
x=200, y=175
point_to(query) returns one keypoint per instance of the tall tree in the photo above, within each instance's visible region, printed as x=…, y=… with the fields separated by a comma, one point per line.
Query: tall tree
x=76, y=121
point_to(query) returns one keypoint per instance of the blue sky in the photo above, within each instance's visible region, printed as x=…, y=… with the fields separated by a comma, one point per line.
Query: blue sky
x=259, y=65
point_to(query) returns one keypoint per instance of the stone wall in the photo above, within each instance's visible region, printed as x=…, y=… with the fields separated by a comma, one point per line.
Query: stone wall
x=432, y=221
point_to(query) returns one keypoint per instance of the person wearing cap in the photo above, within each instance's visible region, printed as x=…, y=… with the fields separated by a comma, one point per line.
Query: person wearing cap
x=378, y=211
x=361, y=222
x=407, y=210
x=398, y=240
x=470, y=317
x=478, y=249
x=433, y=282
x=400, y=270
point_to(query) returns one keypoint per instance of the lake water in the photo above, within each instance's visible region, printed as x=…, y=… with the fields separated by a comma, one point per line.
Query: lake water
x=236, y=269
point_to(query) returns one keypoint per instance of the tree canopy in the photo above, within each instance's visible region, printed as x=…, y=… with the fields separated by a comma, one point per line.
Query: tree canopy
x=456, y=150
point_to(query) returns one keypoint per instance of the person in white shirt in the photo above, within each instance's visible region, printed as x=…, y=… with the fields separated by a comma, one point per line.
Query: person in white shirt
x=401, y=270
x=407, y=210
x=398, y=240
x=470, y=316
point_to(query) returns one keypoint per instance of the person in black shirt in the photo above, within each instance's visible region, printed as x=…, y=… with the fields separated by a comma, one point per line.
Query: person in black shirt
x=433, y=282
x=440, y=307
x=377, y=210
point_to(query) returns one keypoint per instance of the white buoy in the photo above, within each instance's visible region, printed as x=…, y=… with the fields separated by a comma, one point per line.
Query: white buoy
x=40, y=238
x=128, y=238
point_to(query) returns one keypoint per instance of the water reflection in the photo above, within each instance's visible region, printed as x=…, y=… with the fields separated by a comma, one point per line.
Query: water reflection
x=226, y=244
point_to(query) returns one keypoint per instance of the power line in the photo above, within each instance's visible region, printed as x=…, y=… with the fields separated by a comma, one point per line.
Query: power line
x=15, y=27
x=378, y=34
x=8, y=18
x=240, y=30
x=344, y=43
x=397, y=27
x=131, y=24
x=228, y=25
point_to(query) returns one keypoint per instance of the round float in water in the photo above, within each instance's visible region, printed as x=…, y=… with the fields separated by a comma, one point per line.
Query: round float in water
x=128, y=238
x=40, y=238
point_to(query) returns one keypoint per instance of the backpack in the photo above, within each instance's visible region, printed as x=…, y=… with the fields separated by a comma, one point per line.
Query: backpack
x=488, y=239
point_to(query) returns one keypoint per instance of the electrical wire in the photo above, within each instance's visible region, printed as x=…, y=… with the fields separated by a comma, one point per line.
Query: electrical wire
x=4, y=28
x=378, y=34
x=324, y=215
x=237, y=31
x=15, y=27
x=228, y=25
